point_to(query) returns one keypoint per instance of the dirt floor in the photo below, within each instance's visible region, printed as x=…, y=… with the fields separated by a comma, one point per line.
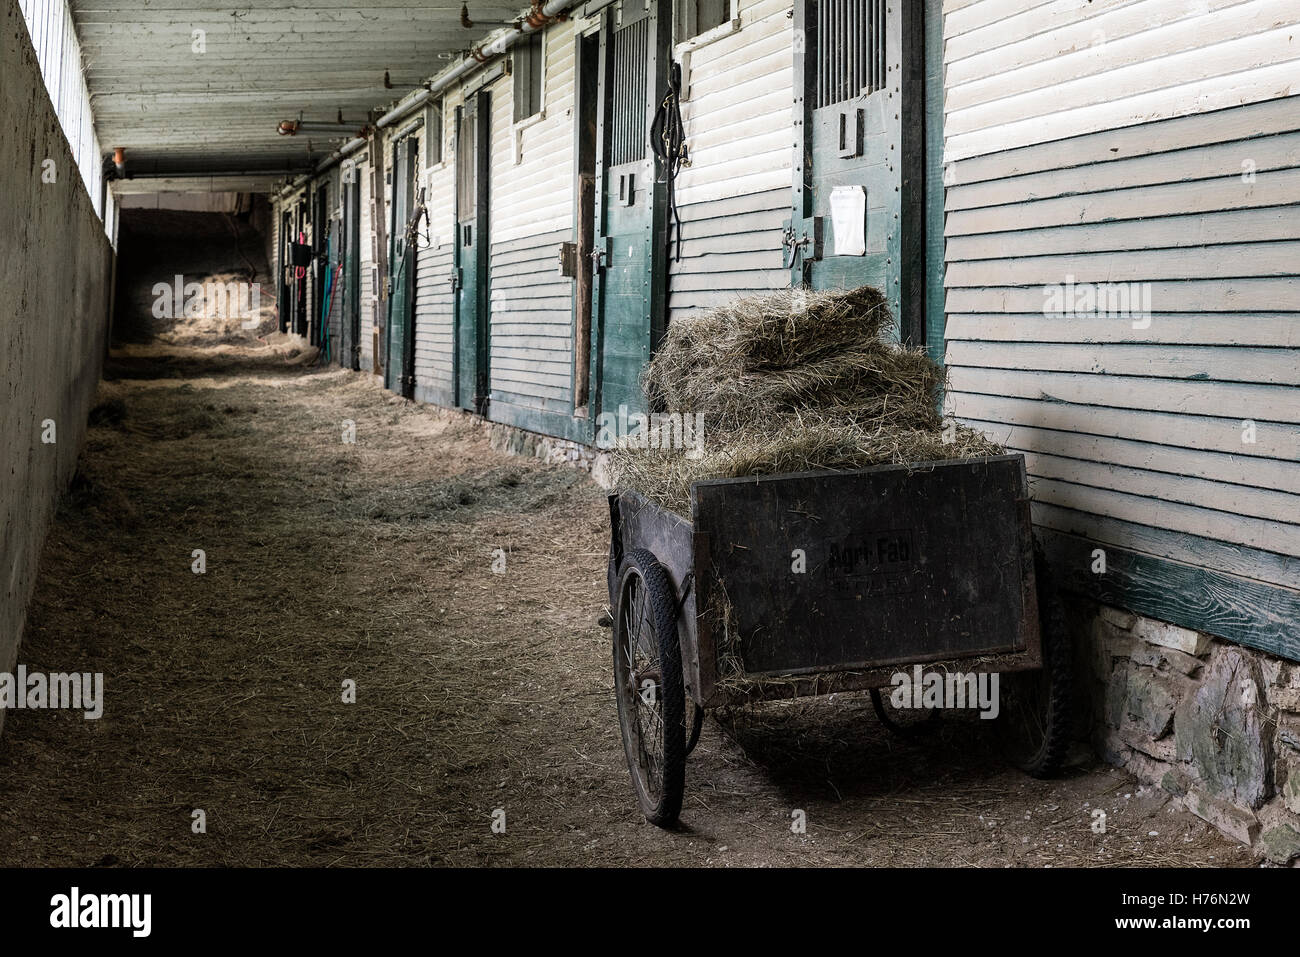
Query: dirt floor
x=476, y=691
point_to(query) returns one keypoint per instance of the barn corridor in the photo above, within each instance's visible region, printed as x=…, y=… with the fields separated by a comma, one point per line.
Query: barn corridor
x=476, y=690
x=293, y=294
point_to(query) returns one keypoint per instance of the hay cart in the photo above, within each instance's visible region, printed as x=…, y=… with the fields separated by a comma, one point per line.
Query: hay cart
x=805, y=584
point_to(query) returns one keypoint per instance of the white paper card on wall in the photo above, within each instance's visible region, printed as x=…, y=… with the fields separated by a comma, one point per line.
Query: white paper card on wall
x=849, y=220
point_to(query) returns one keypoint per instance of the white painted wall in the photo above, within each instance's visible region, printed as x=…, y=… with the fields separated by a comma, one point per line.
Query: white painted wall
x=1154, y=142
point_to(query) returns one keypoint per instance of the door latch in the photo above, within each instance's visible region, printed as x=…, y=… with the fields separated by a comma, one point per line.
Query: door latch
x=598, y=260
x=803, y=241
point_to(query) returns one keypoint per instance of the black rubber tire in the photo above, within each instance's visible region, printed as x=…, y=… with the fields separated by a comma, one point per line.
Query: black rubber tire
x=1049, y=690
x=695, y=720
x=662, y=808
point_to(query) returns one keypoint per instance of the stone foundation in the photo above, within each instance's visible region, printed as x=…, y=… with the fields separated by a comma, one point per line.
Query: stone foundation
x=1214, y=724
x=516, y=441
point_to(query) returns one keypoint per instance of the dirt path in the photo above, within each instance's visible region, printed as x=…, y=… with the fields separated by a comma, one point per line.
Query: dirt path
x=372, y=562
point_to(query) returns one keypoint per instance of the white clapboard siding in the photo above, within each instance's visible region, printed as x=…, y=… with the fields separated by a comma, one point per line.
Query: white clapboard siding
x=1126, y=161
x=1219, y=56
x=433, y=312
x=1246, y=329
x=1216, y=466
x=1194, y=162
x=737, y=110
x=434, y=301
x=1208, y=433
x=1087, y=31
x=1190, y=363
x=536, y=194
x=1257, y=123
x=735, y=195
x=1186, y=490
x=1208, y=231
x=531, y=358
x=1172, y=198
x=1108, y=61
x=730, y=247
x=1211, y=295
x=1223, y=399
x=365, y=282
x=532, y=203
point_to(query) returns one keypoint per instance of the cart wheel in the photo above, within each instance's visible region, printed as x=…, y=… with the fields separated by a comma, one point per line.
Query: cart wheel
x=1035, y=705
x=648, y=687
x=695, y=722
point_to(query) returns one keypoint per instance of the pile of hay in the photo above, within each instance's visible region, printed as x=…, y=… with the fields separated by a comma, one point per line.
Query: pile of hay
x=789, y=382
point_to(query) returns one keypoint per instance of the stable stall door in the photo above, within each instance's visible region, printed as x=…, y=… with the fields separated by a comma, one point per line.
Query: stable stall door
x=399, y=366
x=350, y=347
x=628, y=246
x=858, y=212
x=473, y=126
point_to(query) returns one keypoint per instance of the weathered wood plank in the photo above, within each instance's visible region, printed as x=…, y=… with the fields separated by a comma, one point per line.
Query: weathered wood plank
x=1208, y=230
x=1204, y=552
x=1199, y=262
x=1240, y=609
x=1213, y=363
x=1192, y=329
x=1181, y=431
x=1221, y=467
x=1270, y=188
x=1266, y=295
x=1264, y=403
x=1267, y=505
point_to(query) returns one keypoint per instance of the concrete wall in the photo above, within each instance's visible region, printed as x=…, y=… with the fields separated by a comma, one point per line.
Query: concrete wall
x=55, y=279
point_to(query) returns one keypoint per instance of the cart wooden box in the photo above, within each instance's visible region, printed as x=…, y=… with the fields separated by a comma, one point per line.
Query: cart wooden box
x=804, y=584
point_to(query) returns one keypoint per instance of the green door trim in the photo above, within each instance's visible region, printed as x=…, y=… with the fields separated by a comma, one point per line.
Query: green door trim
x=471, y=368
x=350, y=322
x=399, y=338
x=807, y=234
x=626, y=324
x=936, y=318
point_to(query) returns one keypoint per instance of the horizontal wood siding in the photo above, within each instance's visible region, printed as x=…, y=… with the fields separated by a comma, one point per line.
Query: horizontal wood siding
x=730, y=247
x=1132, y=426
x=365, y=282
x=532, y=209
x=434, y=306
x=532, y=325
x=1020, y=74
x=736, y=193
x=531, y=192
x=434, y=300
x=738, y=107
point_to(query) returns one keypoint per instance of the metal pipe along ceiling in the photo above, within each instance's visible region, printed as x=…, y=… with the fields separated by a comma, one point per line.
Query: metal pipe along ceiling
x=492, y=47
